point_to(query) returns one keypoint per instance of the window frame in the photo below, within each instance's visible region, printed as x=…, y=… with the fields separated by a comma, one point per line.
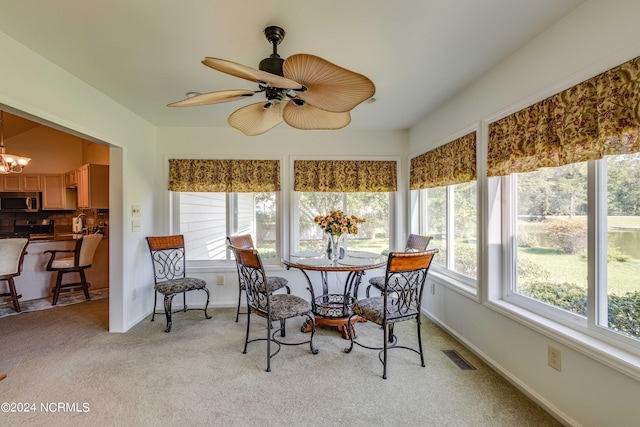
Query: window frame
x=445, y=274
x=231, y=206
x=597, y=263
x=172, y=218
x=396, y=223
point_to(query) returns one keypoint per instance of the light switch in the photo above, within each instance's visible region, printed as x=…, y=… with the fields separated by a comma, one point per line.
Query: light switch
x=135, y=210
x=135, y=225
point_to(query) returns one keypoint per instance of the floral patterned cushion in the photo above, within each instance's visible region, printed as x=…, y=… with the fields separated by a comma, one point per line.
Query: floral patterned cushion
x=176, y=286
x=372, y=309
x=284, y=306
x=274, y=283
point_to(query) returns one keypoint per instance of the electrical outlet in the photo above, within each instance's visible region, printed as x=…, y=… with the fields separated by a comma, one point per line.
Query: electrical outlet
x=433, y=288
x=555, y=358
x=220, y=280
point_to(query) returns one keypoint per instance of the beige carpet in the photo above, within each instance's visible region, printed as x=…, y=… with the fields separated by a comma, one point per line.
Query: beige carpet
x=197, y=375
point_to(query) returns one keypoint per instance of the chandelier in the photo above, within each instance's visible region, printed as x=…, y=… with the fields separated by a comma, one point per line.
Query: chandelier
x=9, y=163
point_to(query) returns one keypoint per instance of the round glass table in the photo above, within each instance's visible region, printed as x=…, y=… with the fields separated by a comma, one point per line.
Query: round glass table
x=334, y=309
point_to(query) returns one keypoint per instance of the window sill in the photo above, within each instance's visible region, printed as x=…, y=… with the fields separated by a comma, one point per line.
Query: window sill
x=225, y=267
x=607, y=354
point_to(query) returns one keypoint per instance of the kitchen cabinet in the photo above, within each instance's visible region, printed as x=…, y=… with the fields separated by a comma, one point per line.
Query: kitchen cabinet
x=93, y=186
x=71, y=179
x=20, y=182
x=55, y=194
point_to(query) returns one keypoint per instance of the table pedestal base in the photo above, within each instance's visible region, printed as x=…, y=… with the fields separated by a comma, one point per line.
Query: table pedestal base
x=340, y=322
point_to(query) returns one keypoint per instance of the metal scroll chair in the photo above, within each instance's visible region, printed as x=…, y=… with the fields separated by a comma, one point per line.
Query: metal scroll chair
x=415, y=242
x=12, y=252
x=401, y=300
x=169, y=272
x=75, y=261
x=274, y=283
x=272, y=307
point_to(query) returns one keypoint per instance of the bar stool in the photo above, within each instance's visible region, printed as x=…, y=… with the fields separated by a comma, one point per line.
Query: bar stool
x=76, y=261
x=12, y=252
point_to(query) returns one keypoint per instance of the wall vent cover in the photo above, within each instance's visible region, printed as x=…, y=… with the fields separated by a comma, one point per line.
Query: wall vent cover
x=459, y=361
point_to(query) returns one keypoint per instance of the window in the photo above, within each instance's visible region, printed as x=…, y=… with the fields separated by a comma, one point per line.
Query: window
x=363, y=188
x=214, y=198
x=206, y=219
x=618, y=293
x=570, y=165
x=550, y=236
x=445, y=179
x=374, y=207
x=450, y=218
x=553, y=244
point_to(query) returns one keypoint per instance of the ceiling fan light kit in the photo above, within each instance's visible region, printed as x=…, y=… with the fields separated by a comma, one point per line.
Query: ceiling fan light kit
x=305, y=91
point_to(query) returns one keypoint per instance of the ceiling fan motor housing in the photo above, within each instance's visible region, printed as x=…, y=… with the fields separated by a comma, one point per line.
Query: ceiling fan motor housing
x=272, y=65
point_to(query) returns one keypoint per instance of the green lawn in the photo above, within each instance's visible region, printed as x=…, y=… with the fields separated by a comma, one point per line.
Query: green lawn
x=622, y=277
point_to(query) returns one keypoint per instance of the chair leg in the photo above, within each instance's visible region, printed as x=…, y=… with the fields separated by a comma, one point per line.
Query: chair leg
x=14, y=294
x=184, y=301
x=207, y=304
x=239, y=300
x=155, y=302
x=85, y=285
x=420, y=342
x=269, y=345
x=167, y=310
x=352, y=333
x=312, y=319
x=56, y=290
x=384, y=351
x=246, y=339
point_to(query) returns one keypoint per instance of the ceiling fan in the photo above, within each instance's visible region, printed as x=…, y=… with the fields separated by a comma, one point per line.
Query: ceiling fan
x=305, y=91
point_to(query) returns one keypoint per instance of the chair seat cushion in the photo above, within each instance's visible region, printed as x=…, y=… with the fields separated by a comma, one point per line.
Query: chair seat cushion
x=284, y=306
x=180, y=285
x=63, y=263
x=372, y=309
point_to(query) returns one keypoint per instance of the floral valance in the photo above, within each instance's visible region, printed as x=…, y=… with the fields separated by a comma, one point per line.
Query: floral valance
x=451, y=163
x=237, y=176
x=597, y=117
x=344, y=175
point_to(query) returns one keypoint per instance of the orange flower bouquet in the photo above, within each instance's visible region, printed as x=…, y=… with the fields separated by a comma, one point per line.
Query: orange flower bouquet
x=336, y=224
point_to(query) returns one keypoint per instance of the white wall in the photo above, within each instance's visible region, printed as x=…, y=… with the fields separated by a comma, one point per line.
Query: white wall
x=46, y=93
x=596, y=36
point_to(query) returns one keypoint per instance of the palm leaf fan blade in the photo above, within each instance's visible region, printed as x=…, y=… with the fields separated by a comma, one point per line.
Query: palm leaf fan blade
x=256, y=119
x=249, y=73
x=213, y=98
x=330, y=87
x=308, y=117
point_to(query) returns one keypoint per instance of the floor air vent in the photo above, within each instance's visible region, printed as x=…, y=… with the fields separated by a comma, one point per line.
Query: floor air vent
x=460, y=362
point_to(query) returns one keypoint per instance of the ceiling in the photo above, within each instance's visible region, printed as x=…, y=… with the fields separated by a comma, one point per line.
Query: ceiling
x=145, y=54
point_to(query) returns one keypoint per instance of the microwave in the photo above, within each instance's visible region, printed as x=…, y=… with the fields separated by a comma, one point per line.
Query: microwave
x=20, y=202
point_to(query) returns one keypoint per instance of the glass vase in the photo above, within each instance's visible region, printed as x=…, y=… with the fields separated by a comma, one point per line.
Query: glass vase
x=335, y=243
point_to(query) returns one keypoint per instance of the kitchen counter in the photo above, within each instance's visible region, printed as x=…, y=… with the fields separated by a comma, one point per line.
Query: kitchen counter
x=36, y=282
x=55, y=237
